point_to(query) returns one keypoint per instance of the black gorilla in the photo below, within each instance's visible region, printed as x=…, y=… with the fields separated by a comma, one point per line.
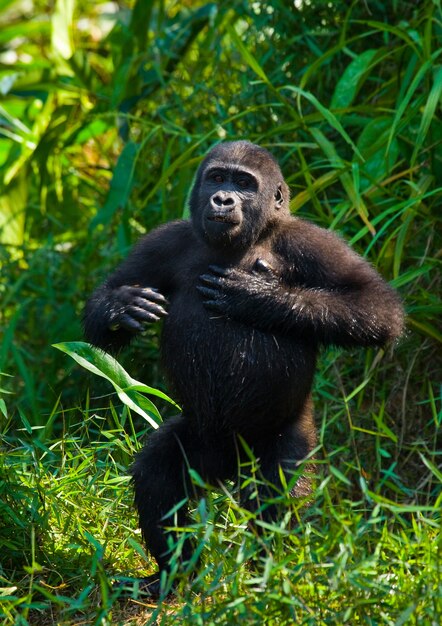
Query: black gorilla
x=252, y=293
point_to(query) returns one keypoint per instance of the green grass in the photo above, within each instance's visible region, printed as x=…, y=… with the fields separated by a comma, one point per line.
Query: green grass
x=104, y=118
x=352, y=556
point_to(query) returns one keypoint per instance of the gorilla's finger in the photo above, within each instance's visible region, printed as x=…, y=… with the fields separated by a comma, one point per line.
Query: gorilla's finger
x=214, y=305
x=263, y=266
x=129, y=323
x=210, y=280
x=150, y=307
x=142, y=315
x=219, y=271
x=207, y=292
x=153, y=294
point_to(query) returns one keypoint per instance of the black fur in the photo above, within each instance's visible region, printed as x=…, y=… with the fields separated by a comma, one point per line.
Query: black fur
x=248, y=293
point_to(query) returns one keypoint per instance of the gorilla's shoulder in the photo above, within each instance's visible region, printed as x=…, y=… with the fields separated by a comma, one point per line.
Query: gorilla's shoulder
x=172, y=235
x=296, y=229
x=176, y=228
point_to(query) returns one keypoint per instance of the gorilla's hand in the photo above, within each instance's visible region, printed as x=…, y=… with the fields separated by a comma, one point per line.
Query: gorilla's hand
x=236, y=293
x=131, y=308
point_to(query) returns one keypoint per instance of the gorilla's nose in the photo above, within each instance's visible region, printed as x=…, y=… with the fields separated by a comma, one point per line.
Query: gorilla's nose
x=222, y=201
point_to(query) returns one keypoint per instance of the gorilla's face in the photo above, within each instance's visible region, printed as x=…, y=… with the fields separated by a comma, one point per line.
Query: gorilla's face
x=239, y=190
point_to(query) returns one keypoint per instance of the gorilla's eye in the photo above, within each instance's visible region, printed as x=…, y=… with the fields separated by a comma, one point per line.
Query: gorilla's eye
x=217, y=178
x=243, y=182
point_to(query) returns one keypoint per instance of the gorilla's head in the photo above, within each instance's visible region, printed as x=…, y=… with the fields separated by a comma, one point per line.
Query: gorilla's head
x=239, y=192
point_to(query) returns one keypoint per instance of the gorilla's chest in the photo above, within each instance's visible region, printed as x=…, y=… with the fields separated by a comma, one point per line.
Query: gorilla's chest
x=200, y=343
x=231, y=371
x=234, y=362
x=200, y=262
x=190, y=322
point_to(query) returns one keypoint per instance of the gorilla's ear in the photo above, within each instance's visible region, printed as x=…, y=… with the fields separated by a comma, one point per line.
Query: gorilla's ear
x=279, y=198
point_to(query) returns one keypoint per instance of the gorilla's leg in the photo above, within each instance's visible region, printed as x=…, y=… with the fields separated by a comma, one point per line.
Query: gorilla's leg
x=161, y=480
x=284, y=454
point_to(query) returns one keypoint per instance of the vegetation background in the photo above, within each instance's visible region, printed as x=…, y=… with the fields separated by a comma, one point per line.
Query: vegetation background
x=106, y=109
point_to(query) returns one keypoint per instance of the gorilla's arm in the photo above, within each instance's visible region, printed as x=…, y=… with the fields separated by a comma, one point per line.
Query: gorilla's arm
x=135, y=294
x=322, y=288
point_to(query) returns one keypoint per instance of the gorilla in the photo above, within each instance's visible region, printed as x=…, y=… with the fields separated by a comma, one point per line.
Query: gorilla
x=248, y=294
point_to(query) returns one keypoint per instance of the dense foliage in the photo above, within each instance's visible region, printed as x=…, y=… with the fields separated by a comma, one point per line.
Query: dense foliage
x=106, y=110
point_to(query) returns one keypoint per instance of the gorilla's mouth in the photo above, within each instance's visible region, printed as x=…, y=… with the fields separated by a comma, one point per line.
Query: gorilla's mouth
x=223, y=219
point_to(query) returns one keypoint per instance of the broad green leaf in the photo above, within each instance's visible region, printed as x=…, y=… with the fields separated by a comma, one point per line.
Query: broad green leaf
x=121, y=183
x=182, y=159
x=394, y=506
x=372, y=141
x=94, y=129
x=12, y=211
x=140, y=21
x=320, y=184
x=347, y=181
x=426, y=328
x=380, y=423
x=327, y=115
x=5, y=3
x=400, y=242
x=432, y=467
x=359, y=388
x=395, y=212
x=247, y=55
x=434, y=99
x=339, y=475
x=411, y=275
x=400, y=111
x=348, y=84
x=401, y=33
x=23, y=29
x=62, y=40
x=84, y=74
x=128, y=389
